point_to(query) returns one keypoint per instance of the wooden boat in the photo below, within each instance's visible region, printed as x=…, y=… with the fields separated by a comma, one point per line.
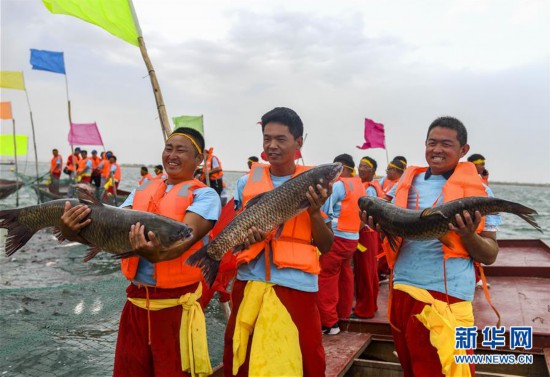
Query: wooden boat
x=8, y=187
x=520, y=290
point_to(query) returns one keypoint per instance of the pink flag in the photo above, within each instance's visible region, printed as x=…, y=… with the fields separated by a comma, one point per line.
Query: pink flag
x=84, y=134
x=374, y=135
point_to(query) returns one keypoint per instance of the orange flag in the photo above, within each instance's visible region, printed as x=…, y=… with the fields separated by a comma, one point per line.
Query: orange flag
x=5, y=110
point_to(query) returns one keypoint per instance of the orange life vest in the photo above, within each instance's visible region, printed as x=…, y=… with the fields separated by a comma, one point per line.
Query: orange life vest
x=82, y=167
x=379, y=191
x=149, y=197
x=349, y=220
x=294, y=248
x=70, y=165
x=387, y=185
x=462, y=183
x=117, y=174
x=53, y=164
x=146, y=176
x=95, y=161
x=106, y=172
x=208, y=164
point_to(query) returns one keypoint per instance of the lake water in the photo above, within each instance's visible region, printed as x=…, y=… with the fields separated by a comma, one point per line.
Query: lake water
x=59, y=316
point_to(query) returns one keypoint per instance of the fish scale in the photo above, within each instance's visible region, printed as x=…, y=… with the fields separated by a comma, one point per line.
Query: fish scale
x=433, y=223
x=265, y=212
x=108, y=230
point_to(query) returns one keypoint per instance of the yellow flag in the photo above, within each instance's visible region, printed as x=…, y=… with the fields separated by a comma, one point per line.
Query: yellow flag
x=115, y=16
x=5, y=110
x=12, y=80
x=6, y=145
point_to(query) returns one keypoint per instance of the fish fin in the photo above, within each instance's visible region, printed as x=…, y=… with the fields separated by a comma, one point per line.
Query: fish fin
x=254, y=200
x=431, y=212
x=92, y=252
x=278, y=231
x=86, y=197
x=238, y=248
x=125, y=255
x=18, y=234
x=202, y=260
x=57, y=234
x=446, y=240
x=392, y=241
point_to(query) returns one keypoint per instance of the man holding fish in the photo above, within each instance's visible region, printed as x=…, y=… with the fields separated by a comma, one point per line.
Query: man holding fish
x=275, y=328
x=162, y=329
x=437, y=276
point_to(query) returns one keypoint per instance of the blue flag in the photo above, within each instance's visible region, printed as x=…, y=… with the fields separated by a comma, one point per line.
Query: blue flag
x=47, y=61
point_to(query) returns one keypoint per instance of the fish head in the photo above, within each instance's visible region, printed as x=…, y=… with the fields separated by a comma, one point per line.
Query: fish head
x=183, y=232
x=368, y=204
x=326, y=173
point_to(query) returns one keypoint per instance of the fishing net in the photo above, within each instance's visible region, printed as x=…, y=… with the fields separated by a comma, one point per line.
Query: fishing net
x=59, y=316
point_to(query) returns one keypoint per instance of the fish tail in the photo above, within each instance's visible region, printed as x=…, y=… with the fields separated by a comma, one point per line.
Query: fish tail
x=524, y=212
x=18, y=234
x=202, y=260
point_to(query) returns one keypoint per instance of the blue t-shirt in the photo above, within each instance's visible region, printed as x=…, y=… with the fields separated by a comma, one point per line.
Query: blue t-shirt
x=255, y=269
x=420, y=263
x=333, y=207
x=371, y=191
x=206, y=203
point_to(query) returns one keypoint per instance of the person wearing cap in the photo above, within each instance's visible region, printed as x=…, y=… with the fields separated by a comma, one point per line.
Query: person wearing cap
x=336, y=276
x=212, y=166
x=251, y=160
x=394, y=171
x=479, y=161
x=274, y=327
x=96, y=173
x=56, y=164
x=154, y=337
x=365, y=263
x=159, y=173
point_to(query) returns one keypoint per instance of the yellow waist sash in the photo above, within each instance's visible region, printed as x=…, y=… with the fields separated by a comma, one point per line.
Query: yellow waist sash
x=193, y=342
x=275, y=349
x=441, y=319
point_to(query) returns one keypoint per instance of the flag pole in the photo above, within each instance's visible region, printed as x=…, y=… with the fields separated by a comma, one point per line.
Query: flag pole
x=163, y=116
x=33, y=133
x=15, y=159
x=70, y=192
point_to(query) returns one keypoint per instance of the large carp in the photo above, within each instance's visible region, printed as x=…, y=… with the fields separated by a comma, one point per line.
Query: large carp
x=108, y=230
x=432, y=223
x=266, y=212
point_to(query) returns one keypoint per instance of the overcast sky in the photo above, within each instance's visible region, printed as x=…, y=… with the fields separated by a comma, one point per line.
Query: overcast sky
x=401, y=63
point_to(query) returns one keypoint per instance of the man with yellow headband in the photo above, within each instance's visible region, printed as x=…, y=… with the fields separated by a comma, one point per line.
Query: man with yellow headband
x=479, y=161
x=274, y=328
x=433, y=283
x=336, y=277
x=394, y=171
x=162, y=330
x=251, y=160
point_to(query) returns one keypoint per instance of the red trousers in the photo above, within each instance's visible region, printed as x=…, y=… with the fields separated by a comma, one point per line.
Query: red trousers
x=134, y=356
x=302, y=307
x=366, y=275
x=416, y=354
x=336, y=282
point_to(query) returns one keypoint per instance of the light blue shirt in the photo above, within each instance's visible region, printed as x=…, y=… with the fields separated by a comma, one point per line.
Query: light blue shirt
x=333, y=207
x=371, y=191
x=420, y=263
x=206, y=203
x=255, y=269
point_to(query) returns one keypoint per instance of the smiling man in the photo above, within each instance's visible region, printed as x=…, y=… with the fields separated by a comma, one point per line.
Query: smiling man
x=162, y=286
x=274, y=327
x=436, y=275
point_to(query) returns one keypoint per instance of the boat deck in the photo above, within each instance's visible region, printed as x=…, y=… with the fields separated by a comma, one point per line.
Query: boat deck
x=520, y=291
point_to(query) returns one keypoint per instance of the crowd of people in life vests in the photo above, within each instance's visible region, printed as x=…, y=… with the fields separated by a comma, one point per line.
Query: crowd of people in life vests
x=326, y=264
x=102, y=171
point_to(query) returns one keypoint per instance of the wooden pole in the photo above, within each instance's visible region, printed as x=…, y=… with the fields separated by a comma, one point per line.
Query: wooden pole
x=33, y=134
x=164, y=123
x=15, y=159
